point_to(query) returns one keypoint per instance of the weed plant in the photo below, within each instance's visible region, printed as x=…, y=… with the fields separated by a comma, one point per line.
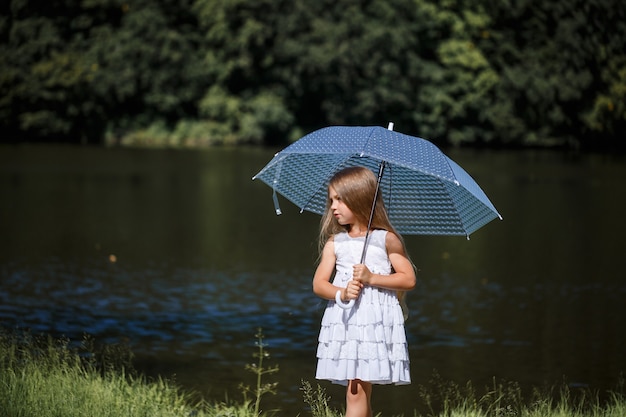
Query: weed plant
x=317, y=400
x=258, y=369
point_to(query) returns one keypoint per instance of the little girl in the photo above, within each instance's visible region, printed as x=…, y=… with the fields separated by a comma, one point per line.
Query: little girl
x=365, y=344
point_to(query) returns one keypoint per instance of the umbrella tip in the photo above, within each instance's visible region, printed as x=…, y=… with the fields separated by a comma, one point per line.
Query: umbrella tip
x=390, y=126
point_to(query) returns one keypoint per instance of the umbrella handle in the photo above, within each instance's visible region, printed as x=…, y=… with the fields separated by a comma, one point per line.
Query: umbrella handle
x=340, y=303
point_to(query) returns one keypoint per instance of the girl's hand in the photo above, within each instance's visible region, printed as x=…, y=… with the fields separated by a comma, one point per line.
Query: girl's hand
x=361, y=274
x=352, y=290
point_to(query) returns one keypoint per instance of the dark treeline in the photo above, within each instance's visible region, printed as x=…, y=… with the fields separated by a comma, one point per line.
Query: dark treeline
x=185, y=72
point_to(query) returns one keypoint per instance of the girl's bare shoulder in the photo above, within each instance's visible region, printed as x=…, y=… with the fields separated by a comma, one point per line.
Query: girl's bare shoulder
x=393, y=243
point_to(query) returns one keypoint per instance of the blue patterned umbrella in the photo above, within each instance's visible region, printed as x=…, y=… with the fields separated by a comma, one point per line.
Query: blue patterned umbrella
x=425, y=192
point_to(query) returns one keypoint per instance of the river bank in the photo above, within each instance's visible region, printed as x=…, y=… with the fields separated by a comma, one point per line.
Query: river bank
x=43, y=376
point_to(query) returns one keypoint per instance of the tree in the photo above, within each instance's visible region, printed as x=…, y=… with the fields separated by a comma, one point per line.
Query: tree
x=75, y=69
x=556, y=59
x=148, y=65
x=245, y=100
x=487, y=72
x=43, y=74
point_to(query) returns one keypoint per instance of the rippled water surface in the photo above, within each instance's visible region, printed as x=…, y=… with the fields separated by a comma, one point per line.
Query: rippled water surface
x=179, y=254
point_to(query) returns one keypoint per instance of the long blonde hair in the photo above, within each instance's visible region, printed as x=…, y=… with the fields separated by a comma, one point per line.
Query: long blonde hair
x=356, y=186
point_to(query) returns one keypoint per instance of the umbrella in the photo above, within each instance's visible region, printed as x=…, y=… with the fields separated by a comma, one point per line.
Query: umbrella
x=424, y=191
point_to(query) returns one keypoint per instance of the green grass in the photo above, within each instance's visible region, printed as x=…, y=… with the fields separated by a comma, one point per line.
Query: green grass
x=505, y=399
x=46, y=377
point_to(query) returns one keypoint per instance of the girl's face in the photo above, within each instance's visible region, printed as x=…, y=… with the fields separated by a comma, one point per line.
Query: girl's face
x=342, y=213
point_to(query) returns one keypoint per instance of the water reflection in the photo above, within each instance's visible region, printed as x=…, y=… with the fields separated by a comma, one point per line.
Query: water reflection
x=200, y=261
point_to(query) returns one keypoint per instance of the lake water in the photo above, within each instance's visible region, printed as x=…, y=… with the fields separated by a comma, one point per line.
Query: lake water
x=180, y=254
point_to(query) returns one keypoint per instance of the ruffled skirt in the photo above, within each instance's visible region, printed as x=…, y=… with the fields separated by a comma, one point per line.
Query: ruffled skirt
x=366, y=342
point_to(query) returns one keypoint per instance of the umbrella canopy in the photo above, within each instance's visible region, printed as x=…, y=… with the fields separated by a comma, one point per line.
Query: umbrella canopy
x=424, y=191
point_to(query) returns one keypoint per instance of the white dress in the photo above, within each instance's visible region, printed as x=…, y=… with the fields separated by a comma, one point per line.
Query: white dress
x=368, y=341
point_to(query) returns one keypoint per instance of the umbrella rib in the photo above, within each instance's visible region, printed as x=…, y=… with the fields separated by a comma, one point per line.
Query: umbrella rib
x=454, y=203
x=367, y=141
x=338, y=164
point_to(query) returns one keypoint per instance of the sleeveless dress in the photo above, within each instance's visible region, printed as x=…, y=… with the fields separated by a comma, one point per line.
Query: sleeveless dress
x=368, y=341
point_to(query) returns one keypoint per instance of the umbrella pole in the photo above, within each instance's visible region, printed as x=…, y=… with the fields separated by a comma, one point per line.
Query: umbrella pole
x=369, y=223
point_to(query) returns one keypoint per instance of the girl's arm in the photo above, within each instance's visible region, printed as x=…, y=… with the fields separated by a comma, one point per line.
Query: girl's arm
x=321, y=280
x=403, y=278
x=322, y=286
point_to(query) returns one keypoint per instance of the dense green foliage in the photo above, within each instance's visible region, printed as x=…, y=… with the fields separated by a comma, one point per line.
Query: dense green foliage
x=199, y=72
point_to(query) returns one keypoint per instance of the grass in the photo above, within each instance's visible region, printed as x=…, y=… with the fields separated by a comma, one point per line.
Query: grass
x=505, y=399
x=44, y=377
x=47, y=377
